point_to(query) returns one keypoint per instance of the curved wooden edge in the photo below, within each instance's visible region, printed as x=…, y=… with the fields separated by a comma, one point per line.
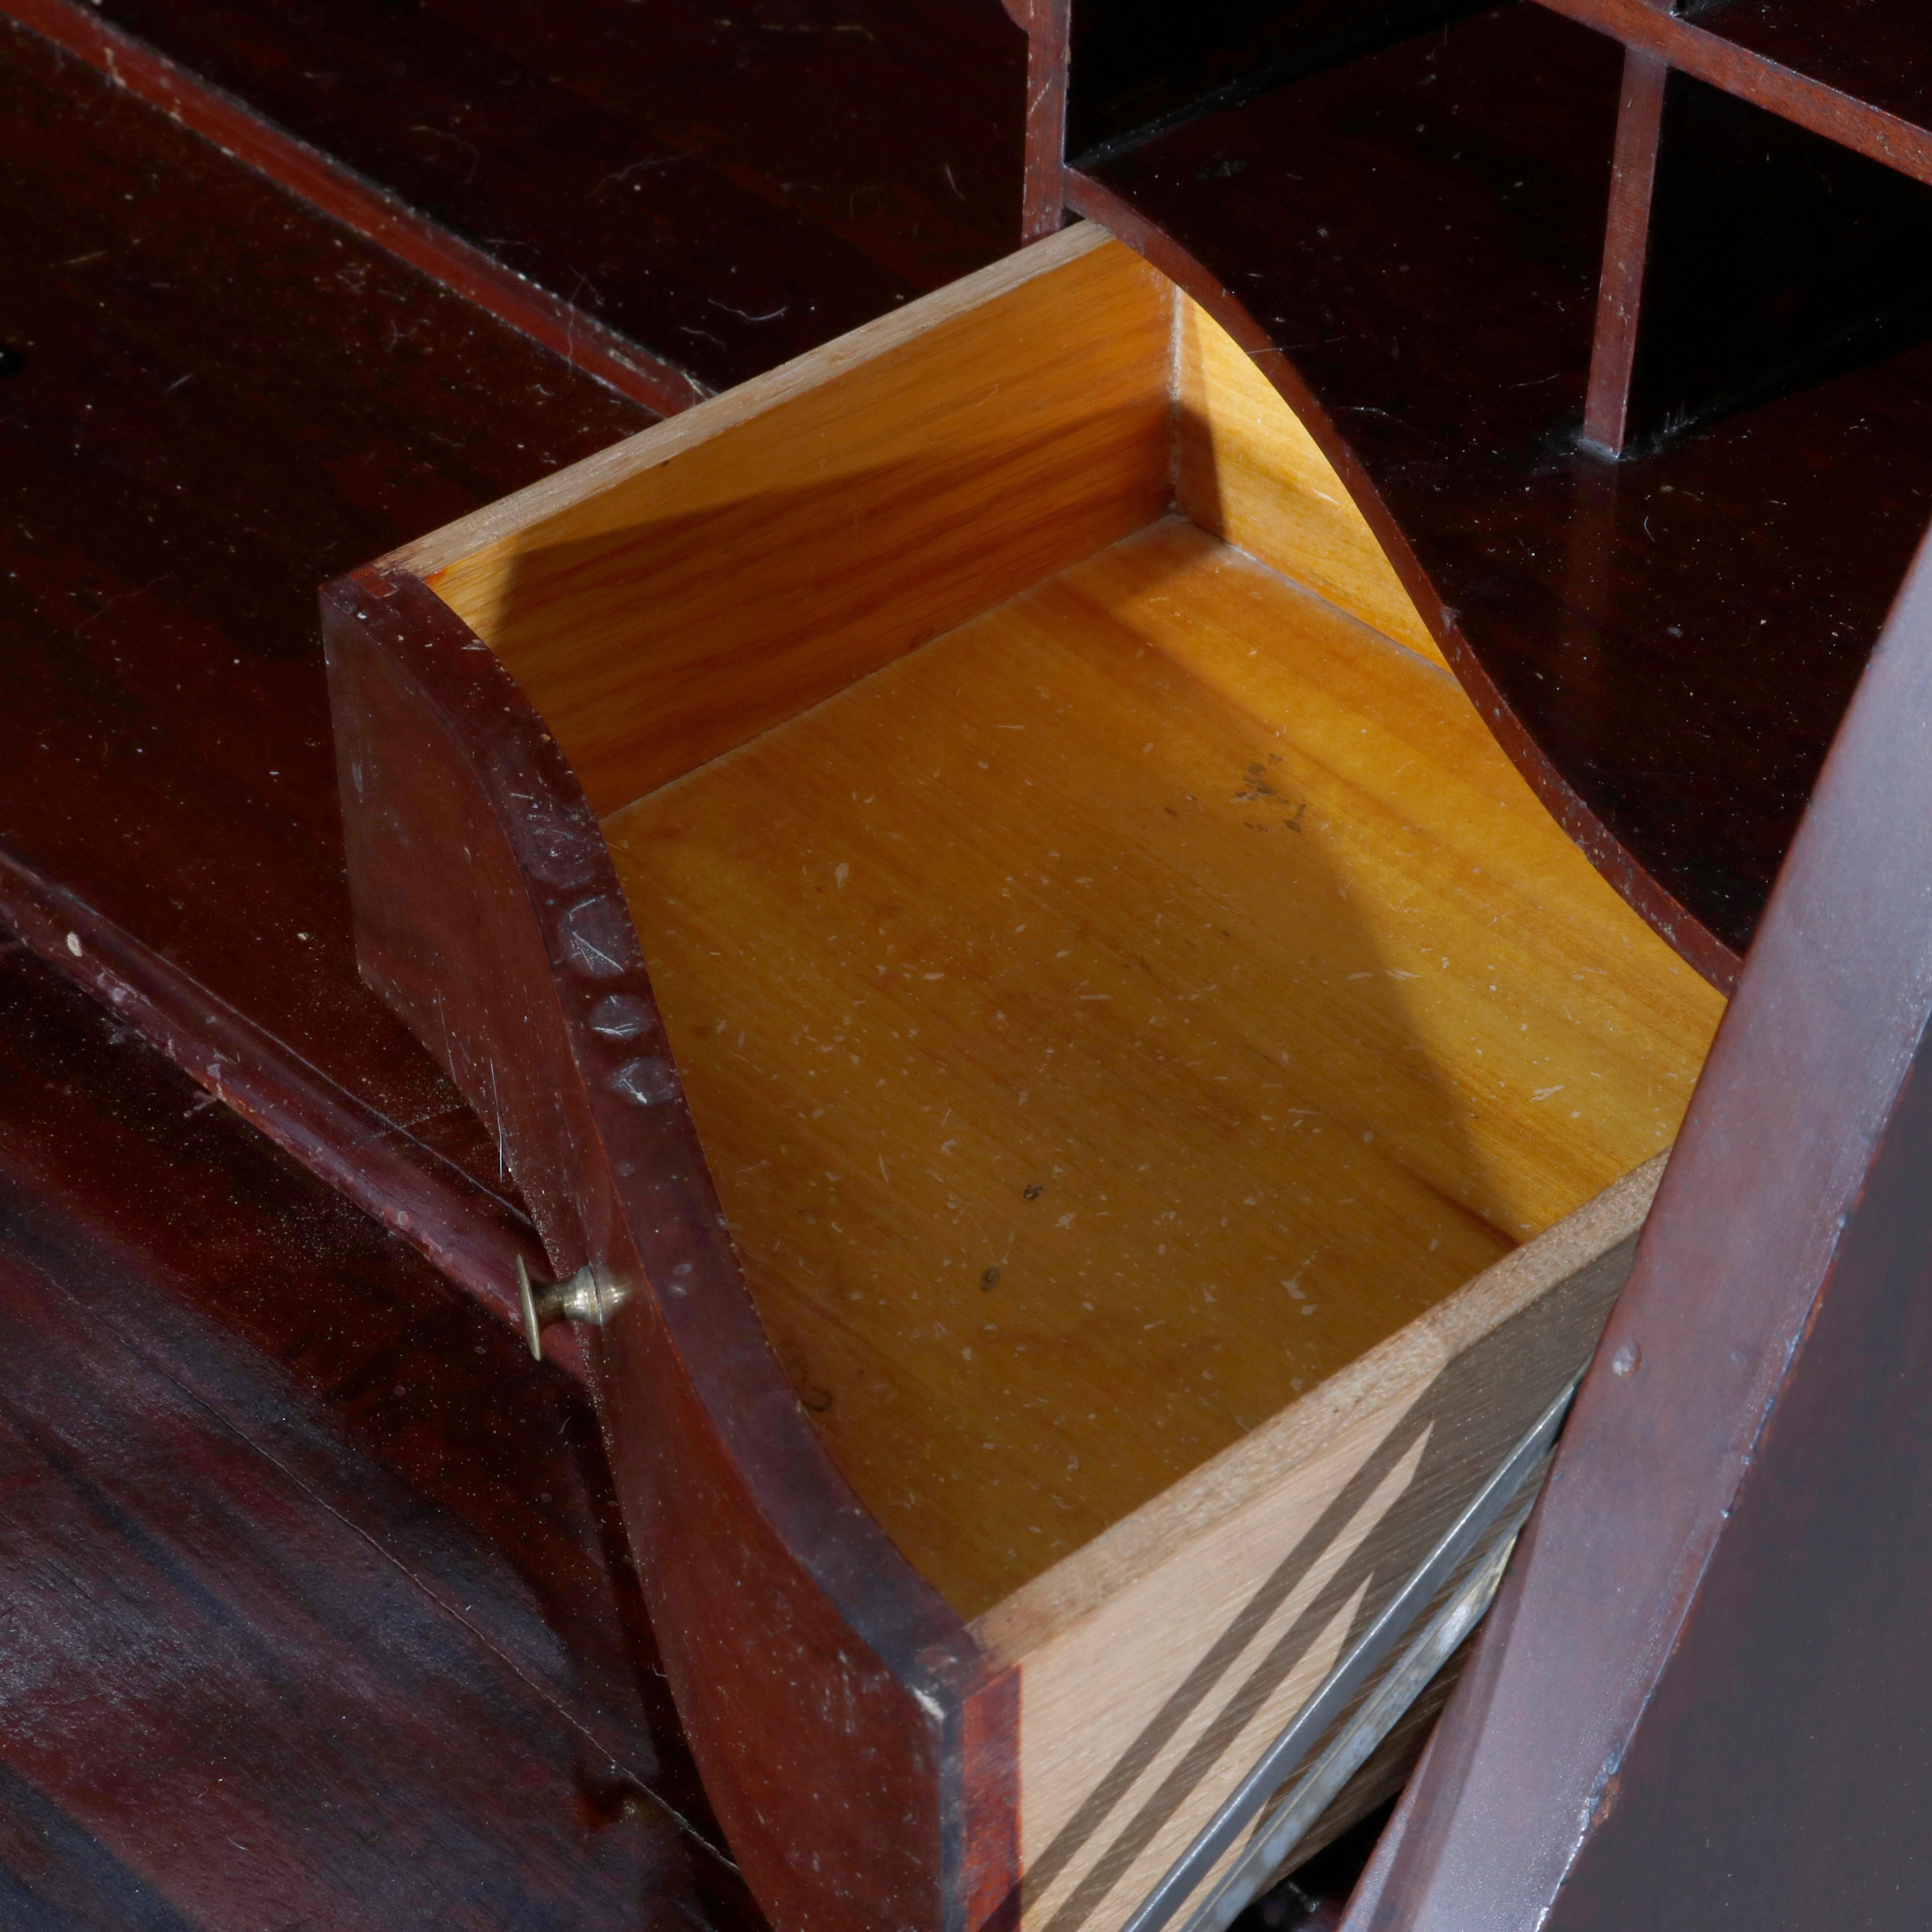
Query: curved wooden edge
x=470, y=1234
x=371, y=212
x=1706, y=1340
x=851, y=1735
x=1675, y=924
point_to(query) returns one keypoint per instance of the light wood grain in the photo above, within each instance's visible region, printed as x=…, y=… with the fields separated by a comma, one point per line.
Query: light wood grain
x=1156, y=1663
x=1171, y=944
x=1246, y=468
x=713, y=576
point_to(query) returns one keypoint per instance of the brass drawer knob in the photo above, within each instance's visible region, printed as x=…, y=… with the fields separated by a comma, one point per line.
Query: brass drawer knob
x=577, y=1299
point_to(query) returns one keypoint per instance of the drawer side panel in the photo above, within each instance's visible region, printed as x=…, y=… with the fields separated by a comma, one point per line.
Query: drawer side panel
x=811, y=1667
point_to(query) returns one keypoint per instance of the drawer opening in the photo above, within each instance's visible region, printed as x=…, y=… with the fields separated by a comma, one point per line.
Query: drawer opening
x=1117, y=979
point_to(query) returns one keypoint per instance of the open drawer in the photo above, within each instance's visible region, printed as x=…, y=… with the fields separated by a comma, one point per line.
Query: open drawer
x=1087, y=1103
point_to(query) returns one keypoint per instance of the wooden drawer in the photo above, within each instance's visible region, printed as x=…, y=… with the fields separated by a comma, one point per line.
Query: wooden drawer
x=1093, y=1101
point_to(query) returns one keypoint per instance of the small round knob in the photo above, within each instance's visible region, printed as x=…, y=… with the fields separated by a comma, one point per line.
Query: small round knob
x=577, y=1299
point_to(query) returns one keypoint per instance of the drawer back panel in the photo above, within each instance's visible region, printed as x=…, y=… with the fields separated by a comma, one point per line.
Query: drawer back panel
x=946, y=461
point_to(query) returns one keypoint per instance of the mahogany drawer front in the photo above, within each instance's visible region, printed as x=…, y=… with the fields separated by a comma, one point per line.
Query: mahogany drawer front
x=1095, y=1103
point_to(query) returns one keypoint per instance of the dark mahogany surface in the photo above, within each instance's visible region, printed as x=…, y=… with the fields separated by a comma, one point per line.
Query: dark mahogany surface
x=363, y=206
x=1868, y=50
x=1776, y=257
x=1419, y=232
x=1779, y=1778
x=315, y=1610
x=212, y=399
x=1139, y=63
x=727, y=185
x=473, y=1234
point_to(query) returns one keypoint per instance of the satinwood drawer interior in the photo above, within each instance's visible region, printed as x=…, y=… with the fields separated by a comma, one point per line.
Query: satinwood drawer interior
x=1171, y=1084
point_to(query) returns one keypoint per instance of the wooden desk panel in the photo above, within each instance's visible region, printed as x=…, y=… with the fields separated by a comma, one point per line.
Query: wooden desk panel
x=726, y=186
x=215, y=398
x=316, y=1612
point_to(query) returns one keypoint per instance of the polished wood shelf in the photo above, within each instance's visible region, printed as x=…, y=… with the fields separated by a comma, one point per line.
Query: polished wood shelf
x=215, y=398
x=665, y=169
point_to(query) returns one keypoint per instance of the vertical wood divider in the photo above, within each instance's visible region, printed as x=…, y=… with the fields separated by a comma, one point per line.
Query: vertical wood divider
x=1626, y=249
x=1049, y=51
